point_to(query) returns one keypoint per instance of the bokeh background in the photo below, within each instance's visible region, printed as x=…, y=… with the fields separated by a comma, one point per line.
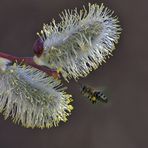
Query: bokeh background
x=123, y=122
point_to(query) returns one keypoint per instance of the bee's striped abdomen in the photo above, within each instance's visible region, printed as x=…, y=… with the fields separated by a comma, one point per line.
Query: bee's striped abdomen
x=100, y=96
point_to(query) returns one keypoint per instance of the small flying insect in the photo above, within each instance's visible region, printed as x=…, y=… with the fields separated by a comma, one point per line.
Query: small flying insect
x=93, y=95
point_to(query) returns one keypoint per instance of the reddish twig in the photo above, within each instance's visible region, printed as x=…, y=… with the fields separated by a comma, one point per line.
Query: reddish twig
x=29, y=61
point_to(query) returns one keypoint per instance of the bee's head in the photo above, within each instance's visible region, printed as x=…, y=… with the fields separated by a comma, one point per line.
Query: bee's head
x=38, y=47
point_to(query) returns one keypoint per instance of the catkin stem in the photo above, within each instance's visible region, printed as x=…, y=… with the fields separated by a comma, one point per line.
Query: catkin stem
x=29, y=61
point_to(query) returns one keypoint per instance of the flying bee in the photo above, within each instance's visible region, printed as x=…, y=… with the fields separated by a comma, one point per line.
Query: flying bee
x=93, y=95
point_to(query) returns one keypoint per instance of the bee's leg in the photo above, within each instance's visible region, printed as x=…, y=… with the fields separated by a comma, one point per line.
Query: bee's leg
x=97, y=95
x=93, y=99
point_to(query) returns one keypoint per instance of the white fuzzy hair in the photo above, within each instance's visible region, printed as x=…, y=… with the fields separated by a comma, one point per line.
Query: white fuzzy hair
x=32, y=98
x=80, y=42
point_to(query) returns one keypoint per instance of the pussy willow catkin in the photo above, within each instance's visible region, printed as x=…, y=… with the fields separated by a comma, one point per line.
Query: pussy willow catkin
x=30, y=97
x=80, y=42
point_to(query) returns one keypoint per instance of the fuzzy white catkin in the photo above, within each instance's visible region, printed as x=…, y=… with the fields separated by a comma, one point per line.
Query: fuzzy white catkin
x=80, y=42
x=32, y=98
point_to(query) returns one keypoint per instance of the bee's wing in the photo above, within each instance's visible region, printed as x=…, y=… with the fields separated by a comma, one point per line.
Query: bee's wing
x=80, y=42
x=101, y=88
x=94, y=88
x=31, y=97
